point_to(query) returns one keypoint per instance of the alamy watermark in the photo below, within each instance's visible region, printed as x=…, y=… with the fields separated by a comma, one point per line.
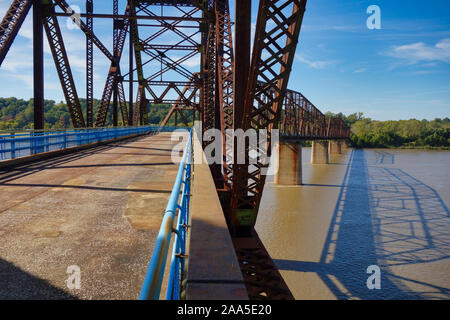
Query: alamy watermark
x=374, y=280
x=73, y=282
x=234, y=151
x=374, y=20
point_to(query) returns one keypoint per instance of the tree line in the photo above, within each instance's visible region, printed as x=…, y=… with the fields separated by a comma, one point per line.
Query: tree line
x=17, y=114
x=412, y=133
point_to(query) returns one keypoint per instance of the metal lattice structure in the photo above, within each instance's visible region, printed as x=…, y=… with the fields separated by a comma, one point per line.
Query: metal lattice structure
x=89, y=66
x=181, y=54
x=11, y=24
x=56, y=43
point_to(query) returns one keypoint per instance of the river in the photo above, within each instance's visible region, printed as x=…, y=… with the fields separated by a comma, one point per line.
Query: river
x=382, y=207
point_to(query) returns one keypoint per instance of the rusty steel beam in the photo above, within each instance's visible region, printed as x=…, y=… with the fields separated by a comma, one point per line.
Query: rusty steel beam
x=242, y=57
x=38, y=66
x=224, y=85
x=56, y=43
x=115, y=85
x=130, y=73
x=300, y=119
x=140, y=115
x=75, y=18
x=11, y=23
x=161, y=53
x=209, y=79
x=276, y=37
x=89, y=67
x=113, y=76
x=122, y=103
x=185, y=101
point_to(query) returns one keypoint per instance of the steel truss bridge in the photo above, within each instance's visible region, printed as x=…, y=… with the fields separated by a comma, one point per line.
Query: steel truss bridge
x=181, y=53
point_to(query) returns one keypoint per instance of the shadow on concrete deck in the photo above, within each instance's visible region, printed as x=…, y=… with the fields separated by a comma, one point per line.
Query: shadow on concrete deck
x=16, y=284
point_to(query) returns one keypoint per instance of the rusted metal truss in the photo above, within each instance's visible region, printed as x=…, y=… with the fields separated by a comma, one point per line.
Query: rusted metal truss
x=56, y=43
x=276, y=38
x=224, y=83
x=89, y=66
x=114, y=75
x=168, y=65
x=140, y=115
x=76, y=19
x=209, y=83
x=187, y=100
x=11, y=24
x=300, y=119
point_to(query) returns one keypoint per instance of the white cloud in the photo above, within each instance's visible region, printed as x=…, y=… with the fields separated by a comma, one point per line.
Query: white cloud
x=419, y=51
x=314, y=64
x=360, y=70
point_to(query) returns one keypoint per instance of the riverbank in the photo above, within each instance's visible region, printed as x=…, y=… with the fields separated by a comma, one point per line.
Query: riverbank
x=408, y=148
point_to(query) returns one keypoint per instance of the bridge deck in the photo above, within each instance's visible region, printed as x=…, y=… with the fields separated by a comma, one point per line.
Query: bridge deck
x=99, y=209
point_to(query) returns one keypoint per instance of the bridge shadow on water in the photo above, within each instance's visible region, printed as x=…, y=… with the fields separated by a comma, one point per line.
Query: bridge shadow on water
x=383, y=217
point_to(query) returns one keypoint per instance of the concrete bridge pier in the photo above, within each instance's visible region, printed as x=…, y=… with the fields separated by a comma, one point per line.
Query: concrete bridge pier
x=289, y=164
x=344, y=145
x=335, y=147
x=319, y=152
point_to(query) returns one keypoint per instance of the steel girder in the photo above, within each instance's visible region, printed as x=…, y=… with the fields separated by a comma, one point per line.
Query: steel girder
x=225, y=84
x=163, y=83
x=114, y=75
x=148, y=52
x=300, y=119
x=187, y=100
x=209, y=82
x=140, y=115
x=276, y=38
x=56, y=43
x=11, y=24
x=89, y=66
x=122, y=102
x=67, y=9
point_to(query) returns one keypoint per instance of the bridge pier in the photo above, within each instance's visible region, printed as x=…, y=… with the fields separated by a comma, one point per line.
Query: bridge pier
x=289, y=164
x=335, y=146
x=319, y=152
x=344, y=145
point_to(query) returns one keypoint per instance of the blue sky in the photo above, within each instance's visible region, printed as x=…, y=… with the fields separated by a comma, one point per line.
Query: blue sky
x=399, y=72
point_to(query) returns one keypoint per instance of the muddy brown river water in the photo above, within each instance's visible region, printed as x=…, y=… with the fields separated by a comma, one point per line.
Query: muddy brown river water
x=387, y=208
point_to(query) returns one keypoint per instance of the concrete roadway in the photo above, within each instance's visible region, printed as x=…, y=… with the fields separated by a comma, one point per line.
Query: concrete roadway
x=99, y=209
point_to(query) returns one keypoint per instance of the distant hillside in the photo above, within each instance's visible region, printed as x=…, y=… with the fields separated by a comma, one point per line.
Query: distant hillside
x=368, y=133
x=18, y=114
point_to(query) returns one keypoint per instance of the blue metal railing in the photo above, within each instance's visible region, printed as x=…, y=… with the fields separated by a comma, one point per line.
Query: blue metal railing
x=151, y=287
x=14, y=145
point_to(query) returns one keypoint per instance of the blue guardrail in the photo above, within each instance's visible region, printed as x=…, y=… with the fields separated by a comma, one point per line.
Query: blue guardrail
x=16, y=145
x=151, y=287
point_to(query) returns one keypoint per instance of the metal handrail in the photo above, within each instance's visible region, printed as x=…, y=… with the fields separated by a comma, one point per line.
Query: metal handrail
x=15, y=145
x=151, y=287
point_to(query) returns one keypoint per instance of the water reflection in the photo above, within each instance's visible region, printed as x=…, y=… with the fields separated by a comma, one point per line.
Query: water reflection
x=383, y=217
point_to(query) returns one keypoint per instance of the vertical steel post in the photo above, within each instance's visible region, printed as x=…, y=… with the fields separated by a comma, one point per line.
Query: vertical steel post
x=89, y=66
x=115, y=58
x=38, y=65
x=131, y=44
x=241, y=57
